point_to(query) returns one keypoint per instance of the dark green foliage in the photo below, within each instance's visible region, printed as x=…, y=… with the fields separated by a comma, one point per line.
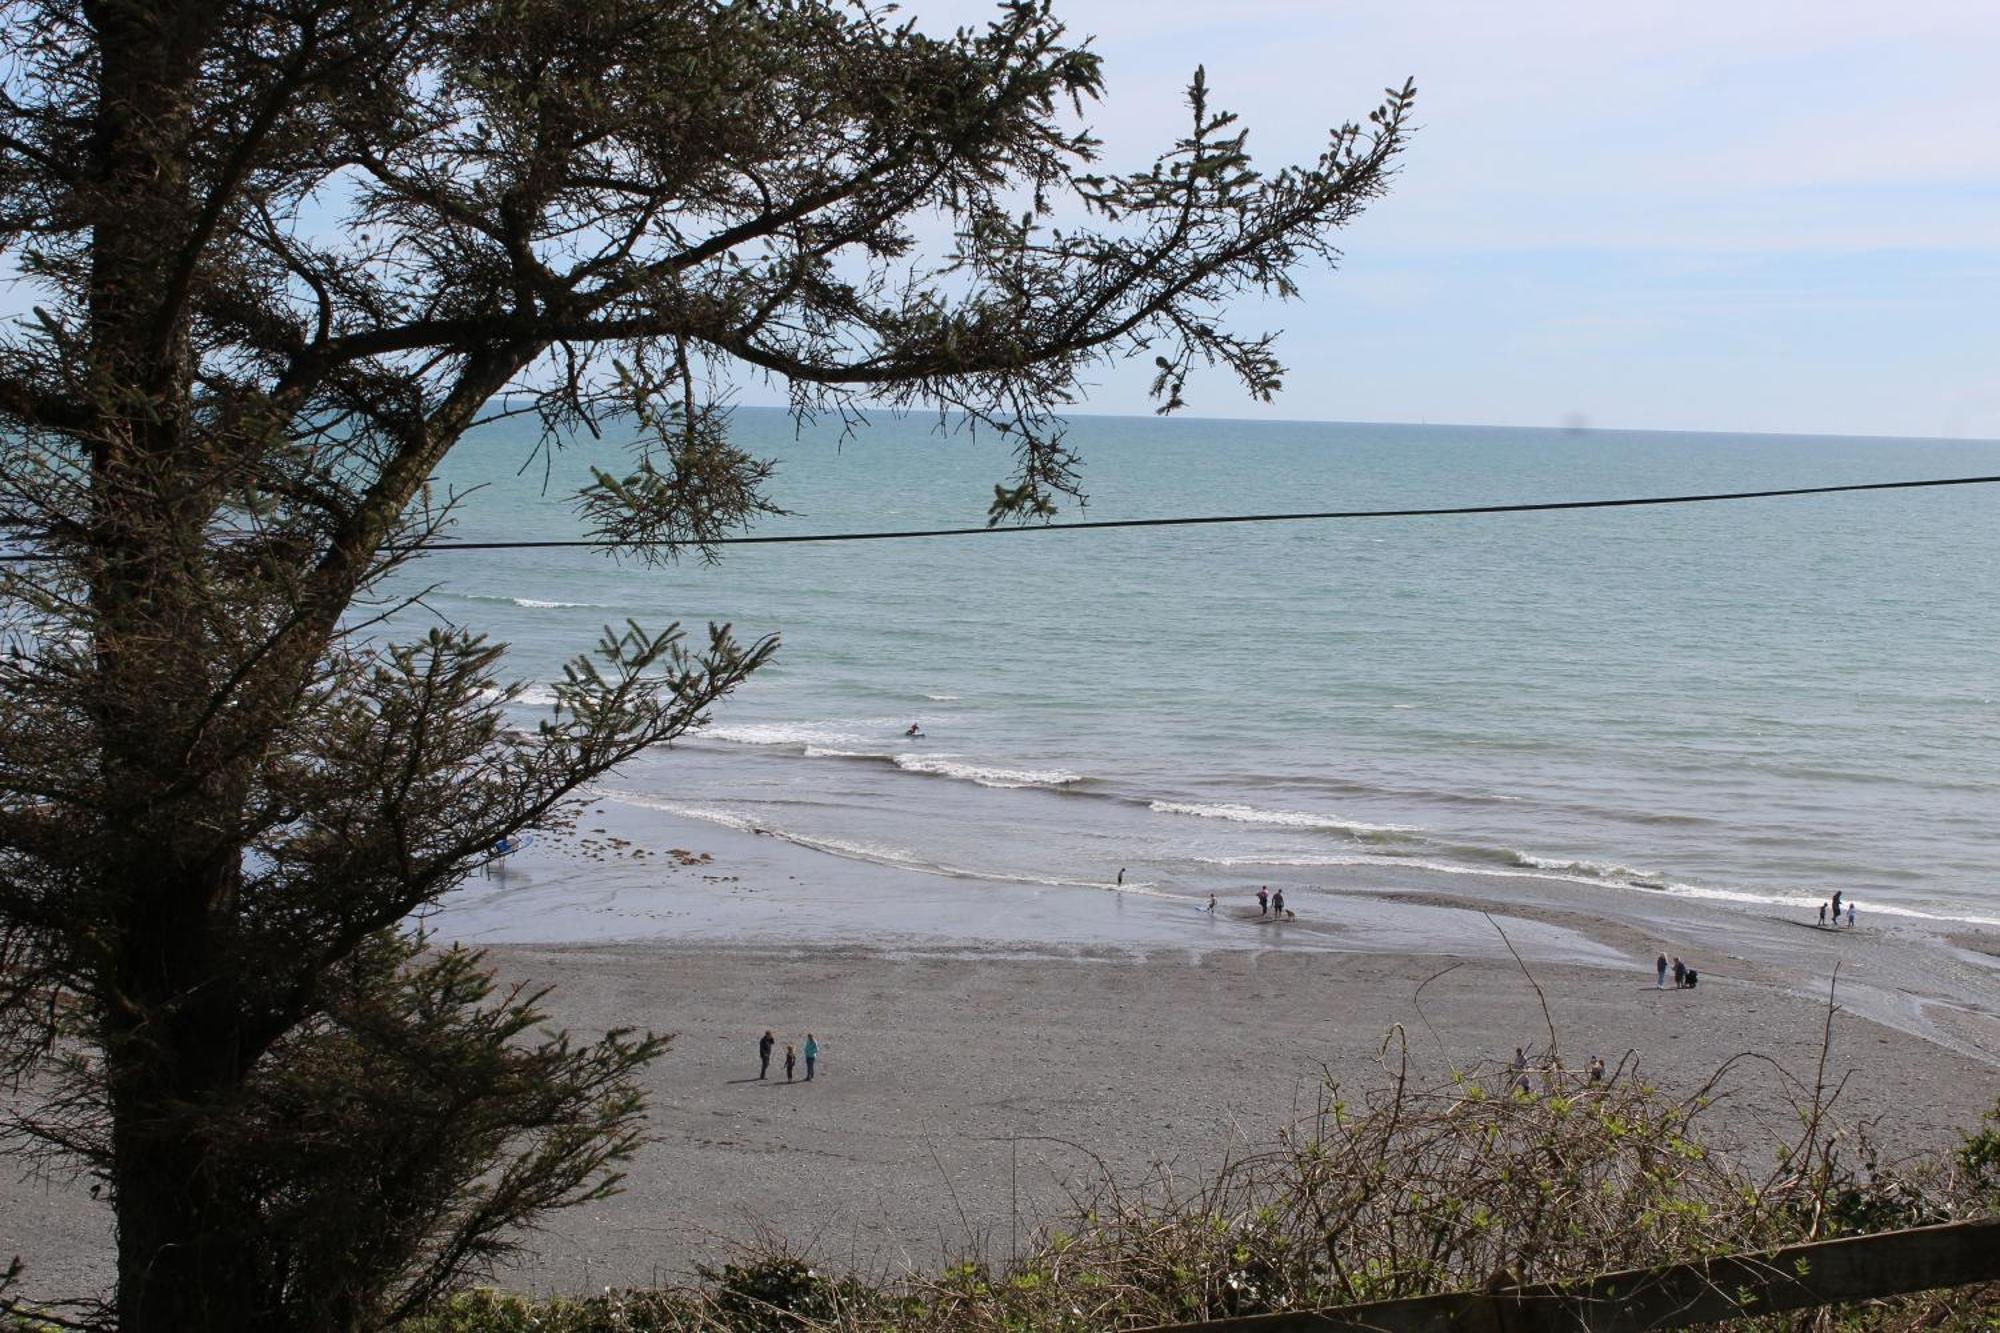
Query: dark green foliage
x=1980, y=1157
x=781, y=1293
x=495, y=1127
x=620, y=1312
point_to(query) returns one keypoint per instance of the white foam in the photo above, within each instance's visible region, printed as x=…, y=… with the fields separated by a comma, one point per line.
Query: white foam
x=1590, y=869
x=948, y=766
x=534, y=603
x=942, y=698
x=1250, y=814
x=1804, y=902
x=831, y=732
x=529, y=696
x=951, y=766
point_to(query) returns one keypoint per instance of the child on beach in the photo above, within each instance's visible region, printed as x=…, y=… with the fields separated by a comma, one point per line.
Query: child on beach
x=1822, y=916
x=791, y=1059
x=1850, y=914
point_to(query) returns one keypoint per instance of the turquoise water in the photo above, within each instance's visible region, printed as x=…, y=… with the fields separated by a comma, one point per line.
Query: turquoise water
x=1761, y=701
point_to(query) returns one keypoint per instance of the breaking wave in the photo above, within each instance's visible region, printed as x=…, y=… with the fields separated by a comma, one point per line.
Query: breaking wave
x=1249, y=814
x=533, y=603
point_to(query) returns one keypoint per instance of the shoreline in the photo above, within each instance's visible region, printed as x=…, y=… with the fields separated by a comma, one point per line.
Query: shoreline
x=630, y=874
x=988, y=1045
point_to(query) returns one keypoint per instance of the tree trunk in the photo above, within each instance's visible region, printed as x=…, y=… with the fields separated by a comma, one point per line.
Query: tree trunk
x=169, y=867
x=182, y=1263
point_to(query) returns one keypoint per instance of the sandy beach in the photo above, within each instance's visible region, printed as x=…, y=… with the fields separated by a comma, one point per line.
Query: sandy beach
x=980, y=1062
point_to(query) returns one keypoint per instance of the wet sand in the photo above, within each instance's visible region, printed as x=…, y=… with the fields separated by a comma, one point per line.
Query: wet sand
x=899, y=1150
x=989, y=1045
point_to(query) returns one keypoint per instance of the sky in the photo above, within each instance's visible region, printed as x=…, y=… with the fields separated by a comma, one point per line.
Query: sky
x=1743, y=216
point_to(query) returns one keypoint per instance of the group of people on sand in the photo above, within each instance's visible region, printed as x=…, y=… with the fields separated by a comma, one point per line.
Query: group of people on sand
x=1685, y=977
x=767, y=1042
x=1835, y=904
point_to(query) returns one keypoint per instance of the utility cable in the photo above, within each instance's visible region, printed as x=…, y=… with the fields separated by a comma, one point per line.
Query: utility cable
x=1546, y=506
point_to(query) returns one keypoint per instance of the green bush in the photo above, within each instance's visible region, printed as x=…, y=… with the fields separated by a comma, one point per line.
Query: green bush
x=1407, y=1194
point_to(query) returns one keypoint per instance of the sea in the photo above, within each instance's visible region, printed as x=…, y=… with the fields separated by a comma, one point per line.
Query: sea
x=1758, y=702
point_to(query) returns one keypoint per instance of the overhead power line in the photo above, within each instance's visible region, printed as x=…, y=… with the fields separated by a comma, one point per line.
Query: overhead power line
x=1446, y=511
x=1210, y=519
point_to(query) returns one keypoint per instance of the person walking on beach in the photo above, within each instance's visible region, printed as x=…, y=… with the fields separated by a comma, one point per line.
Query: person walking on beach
x=791, y=1059
x=1850, y=914
x=1278, y=904
x=1836, y=906
x=1263, y=901
x=1822, y=916
x=764, y=1045
x=1660, y=972
x=1680, y=974
x=812, y=1055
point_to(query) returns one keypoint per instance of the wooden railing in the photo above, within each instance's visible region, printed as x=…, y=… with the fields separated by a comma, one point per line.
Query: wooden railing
x=1702, y=1291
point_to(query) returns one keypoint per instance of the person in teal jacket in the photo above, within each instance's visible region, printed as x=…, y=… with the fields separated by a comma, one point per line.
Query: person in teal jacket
x=812, y=1054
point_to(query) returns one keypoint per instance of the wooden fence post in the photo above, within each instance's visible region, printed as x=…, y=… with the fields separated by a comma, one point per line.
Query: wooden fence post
x=1701, y=1291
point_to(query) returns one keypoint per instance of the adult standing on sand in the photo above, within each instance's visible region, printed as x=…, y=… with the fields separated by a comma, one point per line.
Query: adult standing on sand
x=1680, y=973
x=1278, y=904
x=764, y=1045
x=812, y=1055
x=1660, y=972
x=1263, y=901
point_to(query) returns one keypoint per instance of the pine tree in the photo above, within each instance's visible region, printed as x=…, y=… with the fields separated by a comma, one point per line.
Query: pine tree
x=275, y=258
